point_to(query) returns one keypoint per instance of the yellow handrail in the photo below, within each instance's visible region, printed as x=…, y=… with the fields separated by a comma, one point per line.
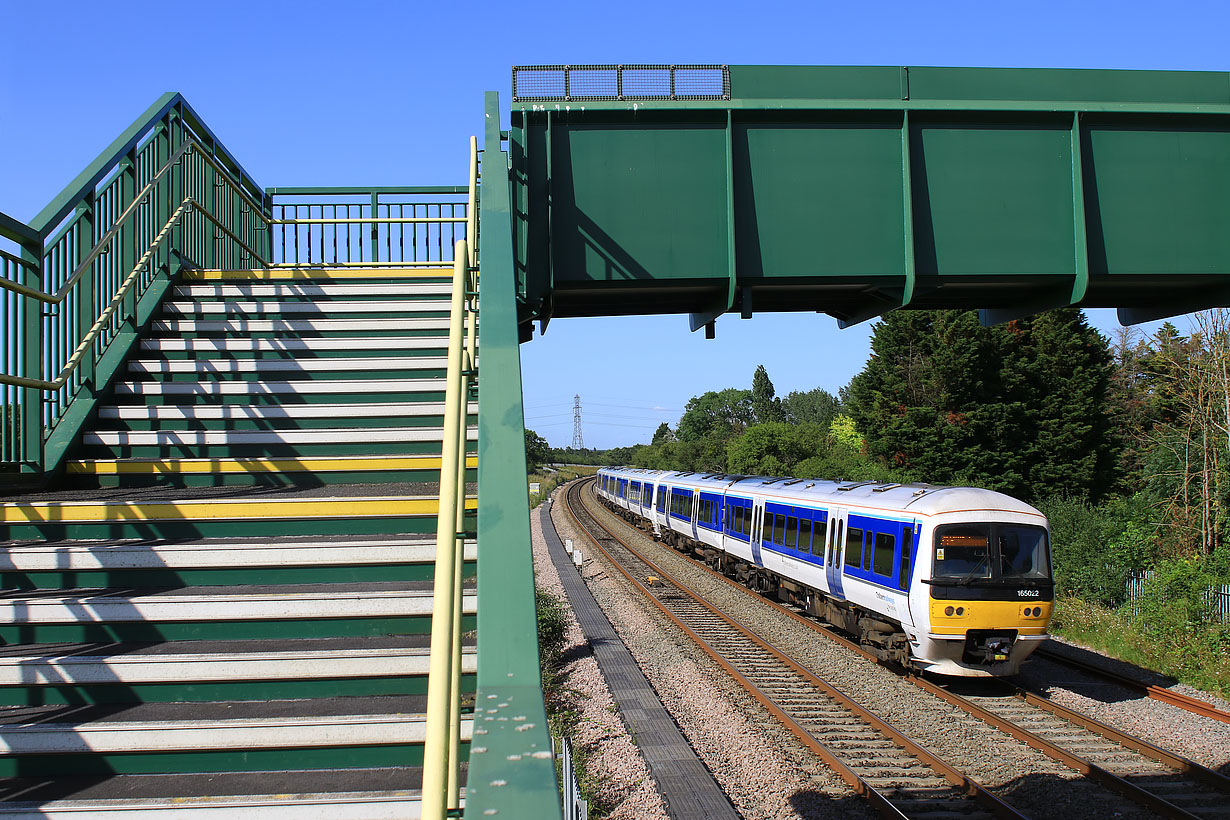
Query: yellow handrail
x=441, y=753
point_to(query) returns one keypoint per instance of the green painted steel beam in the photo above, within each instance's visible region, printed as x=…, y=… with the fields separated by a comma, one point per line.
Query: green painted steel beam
x=511, y=771
x=855, y=191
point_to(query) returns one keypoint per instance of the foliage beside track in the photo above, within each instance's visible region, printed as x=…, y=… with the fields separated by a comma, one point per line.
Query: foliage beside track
x=563, y=716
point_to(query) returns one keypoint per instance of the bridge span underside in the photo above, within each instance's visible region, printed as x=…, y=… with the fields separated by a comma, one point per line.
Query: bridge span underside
x=855, y=191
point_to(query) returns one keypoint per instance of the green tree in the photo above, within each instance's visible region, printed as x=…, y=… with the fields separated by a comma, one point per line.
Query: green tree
x=722, y=413
x=537, y=450
x=663, y=434
x=816, y=406
x=1018, y=407
x=774, y=448
x=766, y=407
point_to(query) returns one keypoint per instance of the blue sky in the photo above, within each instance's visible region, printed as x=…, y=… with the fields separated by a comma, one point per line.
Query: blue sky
x=387, y=93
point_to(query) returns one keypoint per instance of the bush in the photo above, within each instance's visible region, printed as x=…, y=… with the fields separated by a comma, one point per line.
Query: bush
x=552, y=628
x=1097, y=549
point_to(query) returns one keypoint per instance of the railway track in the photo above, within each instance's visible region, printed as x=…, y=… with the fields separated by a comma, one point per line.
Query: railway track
x=1160, y=693
x=1165, y=783
x=901, y=778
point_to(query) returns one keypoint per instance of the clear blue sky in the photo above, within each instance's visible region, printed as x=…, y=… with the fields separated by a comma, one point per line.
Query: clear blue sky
x=387, y=93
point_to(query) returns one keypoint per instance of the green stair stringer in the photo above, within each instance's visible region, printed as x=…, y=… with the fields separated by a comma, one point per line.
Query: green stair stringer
x=512, y=774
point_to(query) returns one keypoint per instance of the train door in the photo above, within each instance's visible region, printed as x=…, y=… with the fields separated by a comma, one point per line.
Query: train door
x=835, y=550
x=695, y=515
x=757, y=516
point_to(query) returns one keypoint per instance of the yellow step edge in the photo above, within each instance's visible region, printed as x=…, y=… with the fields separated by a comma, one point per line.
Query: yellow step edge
x=217, y=509
x=318, y=273
x=201, y=466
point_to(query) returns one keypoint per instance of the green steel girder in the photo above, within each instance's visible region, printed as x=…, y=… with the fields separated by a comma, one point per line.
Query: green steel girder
x=854, y=191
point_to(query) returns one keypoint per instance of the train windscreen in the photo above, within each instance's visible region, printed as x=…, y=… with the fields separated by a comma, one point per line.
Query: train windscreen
x=984, y=552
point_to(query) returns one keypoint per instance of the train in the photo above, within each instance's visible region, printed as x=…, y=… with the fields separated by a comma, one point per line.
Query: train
x=955, y=581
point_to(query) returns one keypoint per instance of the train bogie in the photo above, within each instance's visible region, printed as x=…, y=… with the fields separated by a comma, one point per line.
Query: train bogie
x=953, y=580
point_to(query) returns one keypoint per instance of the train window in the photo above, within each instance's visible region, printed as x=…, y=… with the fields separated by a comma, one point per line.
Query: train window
x=1022, y=551
x=963, y=551
x=804, y=535
x=903, y=580
x=817, y=539
x=854, y=547
x=792, y=532
x=747, y=522
x=884, y=554
x=766, y=531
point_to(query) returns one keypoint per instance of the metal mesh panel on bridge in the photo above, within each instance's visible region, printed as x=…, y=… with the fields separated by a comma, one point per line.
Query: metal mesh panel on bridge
x=620, y=82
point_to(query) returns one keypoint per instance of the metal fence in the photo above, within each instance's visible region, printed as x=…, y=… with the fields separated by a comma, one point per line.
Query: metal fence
x=406, y=226
x=1217, y=598
x=574, y=807
x=548, y=83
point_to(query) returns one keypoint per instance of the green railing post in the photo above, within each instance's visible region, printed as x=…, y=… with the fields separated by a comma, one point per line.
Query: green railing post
x=86, y=309
x=129, y=236
x=32, y=339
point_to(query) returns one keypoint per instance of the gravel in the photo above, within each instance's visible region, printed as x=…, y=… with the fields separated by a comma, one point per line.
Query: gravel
x=761, y=766
x=1177, y=730
x=621, y=778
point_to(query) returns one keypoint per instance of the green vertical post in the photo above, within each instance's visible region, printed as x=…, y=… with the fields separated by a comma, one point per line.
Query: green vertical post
x=128, y=236
x=175, y=186
x=211, y=204
x=375, y=228
x=32, y=339
x=159, y=212
x=86, y=312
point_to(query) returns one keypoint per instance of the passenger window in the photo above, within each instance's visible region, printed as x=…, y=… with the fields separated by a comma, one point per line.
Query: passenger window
x=747, y=522
x=792, y=532
x=817, y=539
x=854, y=547
x=885, y=555
x=766, y=530
x=903, y=580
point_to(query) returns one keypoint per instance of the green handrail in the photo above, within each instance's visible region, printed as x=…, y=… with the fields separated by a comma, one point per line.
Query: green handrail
x=164, y=195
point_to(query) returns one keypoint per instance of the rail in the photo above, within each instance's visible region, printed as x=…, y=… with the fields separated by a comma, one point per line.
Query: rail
x=164, y=196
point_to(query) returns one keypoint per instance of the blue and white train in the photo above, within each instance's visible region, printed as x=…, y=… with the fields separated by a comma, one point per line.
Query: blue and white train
x=953, y=580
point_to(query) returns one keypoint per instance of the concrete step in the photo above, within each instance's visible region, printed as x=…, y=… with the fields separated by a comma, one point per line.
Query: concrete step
x=313, y=326
x=272, y=387
x=385, y=307
x=313, y=290
x=258, y=345
x=184, y=662
x=236, y=412
x=254, y=602
x=205, y=553
x=238, y=438
x=300, y=365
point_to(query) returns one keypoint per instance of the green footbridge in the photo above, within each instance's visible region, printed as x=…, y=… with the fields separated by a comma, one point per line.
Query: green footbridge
x=264, y=537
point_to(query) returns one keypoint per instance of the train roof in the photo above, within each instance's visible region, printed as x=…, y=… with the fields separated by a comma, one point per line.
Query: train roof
x=922, y=499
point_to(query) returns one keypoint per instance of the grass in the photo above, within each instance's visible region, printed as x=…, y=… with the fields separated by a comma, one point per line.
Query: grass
x=1202, y=660
x=563, y=717
x=549, y=481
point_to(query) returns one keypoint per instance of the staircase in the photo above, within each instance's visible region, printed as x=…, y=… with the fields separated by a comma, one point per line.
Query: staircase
x=227, y=608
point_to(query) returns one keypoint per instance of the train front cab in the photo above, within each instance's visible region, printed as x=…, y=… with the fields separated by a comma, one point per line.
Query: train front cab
x=988, y=598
